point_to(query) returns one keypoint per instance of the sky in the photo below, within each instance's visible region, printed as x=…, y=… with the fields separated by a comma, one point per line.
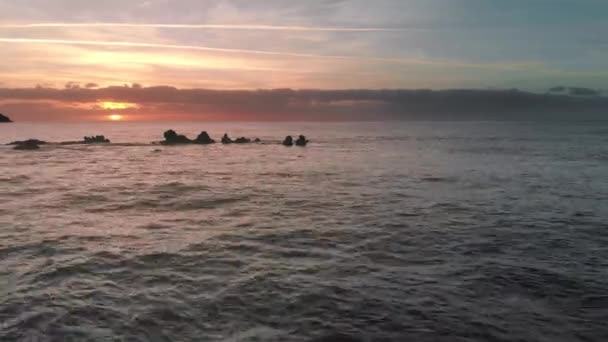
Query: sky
x=225, y=45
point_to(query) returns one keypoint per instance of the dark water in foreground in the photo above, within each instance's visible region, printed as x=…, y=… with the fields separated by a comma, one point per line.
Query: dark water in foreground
x=464, y=231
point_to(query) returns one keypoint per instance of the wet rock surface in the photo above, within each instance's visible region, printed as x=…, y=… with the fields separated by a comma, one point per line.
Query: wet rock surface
x=301, y=141
x=98, y=139
x=29, y=141
x=204, y=139
x=172, y=138
x=288, y=141
x=31, y=144
x=4, y=118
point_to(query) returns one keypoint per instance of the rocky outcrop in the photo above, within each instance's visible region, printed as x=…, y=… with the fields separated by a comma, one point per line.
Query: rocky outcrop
x=172, y=138
x=204, y=139
x=226, y=139
x=29, y=141
x=31, y=144
x=242, y=140
x=301, y=141
x=288, y=141
x=98, y=139
x=4, y=118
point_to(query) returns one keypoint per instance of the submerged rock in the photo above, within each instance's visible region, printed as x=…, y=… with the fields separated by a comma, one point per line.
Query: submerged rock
x=98, y=139
x=226, y=139
x=172, y=138
x=242, y=140
x=4, y=118
x=31, y=144
x=29, y=141
x=288, y=141
x=204, y=139
x=301, y=141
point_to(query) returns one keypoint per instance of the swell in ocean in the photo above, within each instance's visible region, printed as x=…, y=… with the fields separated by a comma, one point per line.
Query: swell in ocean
x=469, y=231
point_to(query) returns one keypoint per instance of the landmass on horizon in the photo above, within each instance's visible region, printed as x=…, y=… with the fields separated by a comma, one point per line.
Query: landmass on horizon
x=167, y=103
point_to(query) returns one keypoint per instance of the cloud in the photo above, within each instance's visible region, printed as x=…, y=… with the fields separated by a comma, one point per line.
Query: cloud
x=578, y=91
x=170, y=103
x=211, y=27
x=199, y=48
x=575, y=91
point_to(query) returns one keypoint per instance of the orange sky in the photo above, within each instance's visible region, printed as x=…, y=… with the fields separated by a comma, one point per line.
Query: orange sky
x=316, y=44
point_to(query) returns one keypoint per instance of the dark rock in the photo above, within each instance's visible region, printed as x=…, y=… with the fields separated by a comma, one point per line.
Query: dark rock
x=204, y=139
x=29, y=141
x=242, y=140
x=98, y=139
x=301, y=141
x=257, y=140
x=226, y=139
x=288, y=141
x=31, y=144
x=172, y=138
x=4, y=118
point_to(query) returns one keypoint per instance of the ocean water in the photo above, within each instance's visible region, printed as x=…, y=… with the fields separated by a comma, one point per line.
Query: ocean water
x=412, y=231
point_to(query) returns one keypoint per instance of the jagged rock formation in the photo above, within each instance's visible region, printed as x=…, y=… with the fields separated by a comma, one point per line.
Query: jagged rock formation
x=204, y=139
x=288, y=141
x=226, y=139
x=242, y=140
x=98, y=139
x=4, y=118
x=172, y=138
x=301, y=141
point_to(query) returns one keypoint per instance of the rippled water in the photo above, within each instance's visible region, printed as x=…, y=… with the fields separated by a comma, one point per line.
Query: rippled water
x=443, y=231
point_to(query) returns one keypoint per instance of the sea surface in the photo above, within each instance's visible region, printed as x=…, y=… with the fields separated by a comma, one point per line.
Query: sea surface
x=395, y=231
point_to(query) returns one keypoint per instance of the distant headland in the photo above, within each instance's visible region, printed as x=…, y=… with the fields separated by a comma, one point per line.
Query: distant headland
x=4, y=118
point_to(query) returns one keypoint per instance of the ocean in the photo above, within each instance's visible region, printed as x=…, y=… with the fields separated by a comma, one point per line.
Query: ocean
x=383, y=231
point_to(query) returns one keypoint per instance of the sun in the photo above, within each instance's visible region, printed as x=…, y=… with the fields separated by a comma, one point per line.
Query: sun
x=117, y=105
x=115, y=117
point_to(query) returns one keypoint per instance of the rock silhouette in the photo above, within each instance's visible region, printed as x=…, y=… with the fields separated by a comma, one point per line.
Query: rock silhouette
x=98, y=139
x=31, y=144
x=172, y=138
x=204, y=139
x=29, y=141
x=301, y=141
x=288, y=141
x=226, y=139
x=4, y=118
x=242, y=140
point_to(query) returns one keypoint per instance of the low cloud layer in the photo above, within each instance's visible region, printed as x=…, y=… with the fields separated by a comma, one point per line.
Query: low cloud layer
x=76, y=102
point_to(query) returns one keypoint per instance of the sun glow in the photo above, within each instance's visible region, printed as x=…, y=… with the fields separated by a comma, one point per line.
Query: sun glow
x=117, y=105
x=115, y=117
